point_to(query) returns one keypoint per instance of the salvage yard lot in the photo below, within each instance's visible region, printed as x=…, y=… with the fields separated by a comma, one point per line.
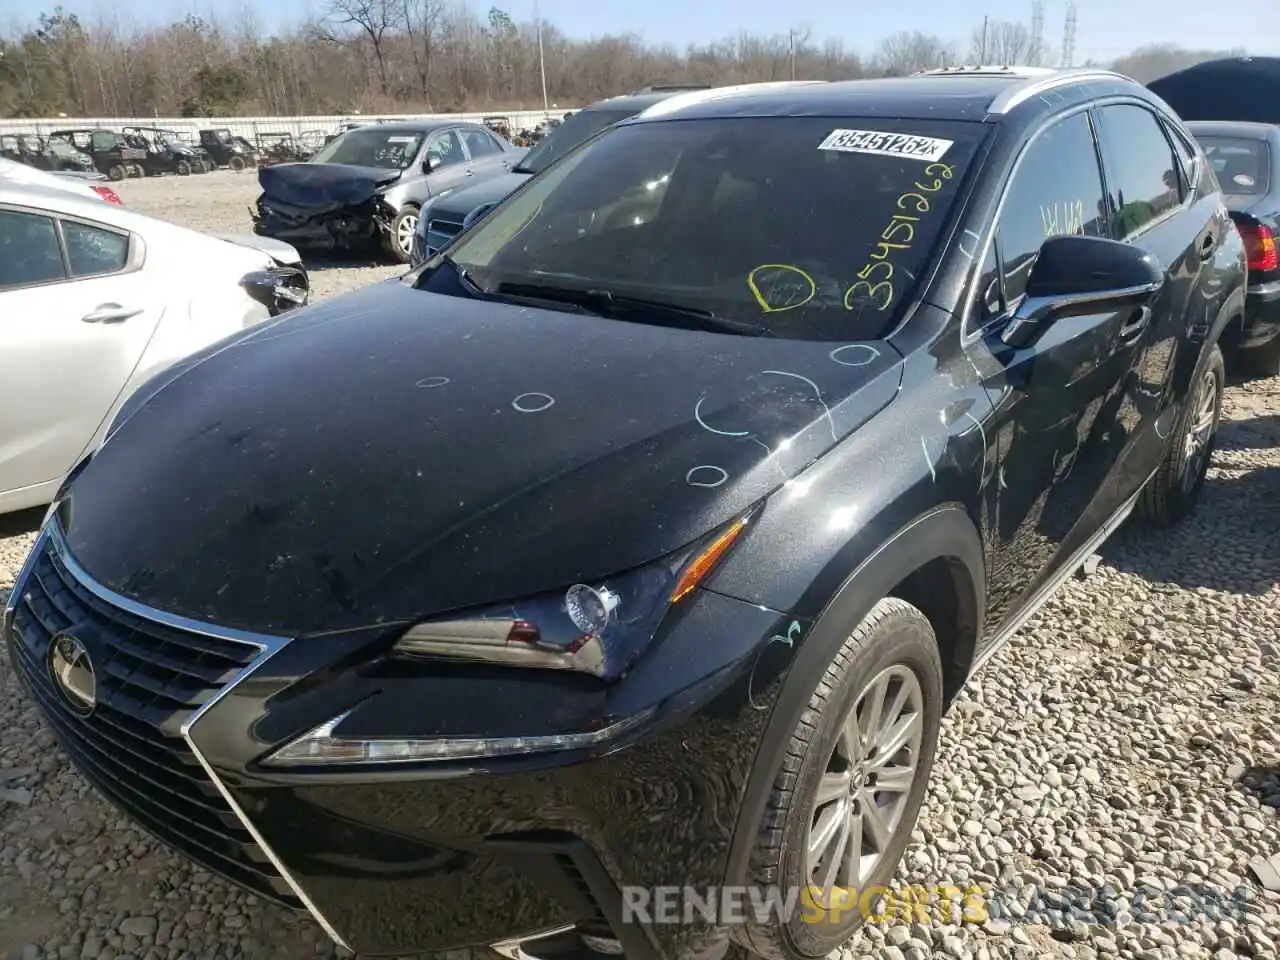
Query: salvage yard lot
x=1127, y=737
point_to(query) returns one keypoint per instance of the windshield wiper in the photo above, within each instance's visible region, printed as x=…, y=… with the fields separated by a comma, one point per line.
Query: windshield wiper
x=610, y=304
x=464, y=278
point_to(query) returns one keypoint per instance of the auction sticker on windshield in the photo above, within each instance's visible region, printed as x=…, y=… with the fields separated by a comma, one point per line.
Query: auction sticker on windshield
x=926, y=149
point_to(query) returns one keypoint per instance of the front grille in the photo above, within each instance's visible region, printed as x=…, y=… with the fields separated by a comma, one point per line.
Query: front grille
x=440, y=233
x=150, y=679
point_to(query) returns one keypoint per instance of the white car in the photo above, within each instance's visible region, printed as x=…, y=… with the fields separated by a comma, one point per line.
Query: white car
x=85, y=184
x=94, y=300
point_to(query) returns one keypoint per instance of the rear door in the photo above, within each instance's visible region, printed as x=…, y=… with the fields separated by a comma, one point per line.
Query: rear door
x=488, y=157
x=1152, y=205
x=76, y=314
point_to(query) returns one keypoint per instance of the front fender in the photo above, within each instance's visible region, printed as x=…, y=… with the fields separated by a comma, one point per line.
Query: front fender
x=945, y=532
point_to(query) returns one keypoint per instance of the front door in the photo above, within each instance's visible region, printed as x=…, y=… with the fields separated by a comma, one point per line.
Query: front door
x=1058, y=401
x=450, y=168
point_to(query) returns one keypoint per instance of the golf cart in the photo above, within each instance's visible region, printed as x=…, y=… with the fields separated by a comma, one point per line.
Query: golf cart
x=164, y=152
x=227, y=150
x=278, y=147
x=108, y=151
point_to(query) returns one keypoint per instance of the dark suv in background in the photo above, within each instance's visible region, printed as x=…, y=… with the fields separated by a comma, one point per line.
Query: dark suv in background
x=442, y=219
x=641, y=538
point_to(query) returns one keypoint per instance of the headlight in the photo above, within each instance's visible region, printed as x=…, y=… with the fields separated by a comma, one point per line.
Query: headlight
x=598, y=629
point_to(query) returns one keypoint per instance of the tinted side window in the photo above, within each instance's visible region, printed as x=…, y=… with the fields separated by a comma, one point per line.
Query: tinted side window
x=93, y=251
x=1186, y=155
x=29, y=250
x=480, y=143
x=1140, y=168
x=1056, y=190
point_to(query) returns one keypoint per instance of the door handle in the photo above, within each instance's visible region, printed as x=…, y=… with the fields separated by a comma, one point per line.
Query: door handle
x=1131, y=331
x=110, y=313
x=1207, y=246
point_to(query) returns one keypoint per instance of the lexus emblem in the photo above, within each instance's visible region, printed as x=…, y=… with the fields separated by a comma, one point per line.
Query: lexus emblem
x=73, y=674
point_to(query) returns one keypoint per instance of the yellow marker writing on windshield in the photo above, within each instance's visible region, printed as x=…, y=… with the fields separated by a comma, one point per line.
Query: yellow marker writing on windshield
x=780, y=286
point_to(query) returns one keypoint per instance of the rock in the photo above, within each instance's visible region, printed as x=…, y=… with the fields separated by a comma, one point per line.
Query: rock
x=140, y=927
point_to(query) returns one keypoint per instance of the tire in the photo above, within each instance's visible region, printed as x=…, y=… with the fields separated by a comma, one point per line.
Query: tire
x=183, y=169
x=403, y=225
x=895, y=640
x=116, y=172
x=1172, y=492
x=236, y=162
x=1263, y=361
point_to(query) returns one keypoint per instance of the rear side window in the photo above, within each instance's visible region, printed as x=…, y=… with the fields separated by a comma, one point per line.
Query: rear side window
x=480, y=143
x=1141, y=168
x=29, y=250
x=1242, y=165
x=808, y=227
x=1056, y=191
x=92, y=251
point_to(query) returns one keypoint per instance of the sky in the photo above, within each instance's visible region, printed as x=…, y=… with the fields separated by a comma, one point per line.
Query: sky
x=1106, y=29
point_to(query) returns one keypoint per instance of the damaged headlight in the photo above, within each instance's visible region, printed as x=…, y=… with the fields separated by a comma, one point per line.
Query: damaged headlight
x=598, y=629
x=279, y=288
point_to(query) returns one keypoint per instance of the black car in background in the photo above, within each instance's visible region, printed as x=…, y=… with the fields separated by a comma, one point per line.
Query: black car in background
x=1245, y=157
x=1233, y=88
x=642, y=538
x=443, y=218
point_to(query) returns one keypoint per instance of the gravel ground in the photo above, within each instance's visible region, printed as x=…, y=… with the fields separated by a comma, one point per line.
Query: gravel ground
x=1116, y=765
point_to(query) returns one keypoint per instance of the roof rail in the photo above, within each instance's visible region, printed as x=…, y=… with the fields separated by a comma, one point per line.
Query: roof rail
x=670, y=88
x=682, y=100
x=1008, y=99
x=999, y=70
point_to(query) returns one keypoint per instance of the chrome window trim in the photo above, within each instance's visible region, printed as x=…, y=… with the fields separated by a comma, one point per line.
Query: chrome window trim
x=266, y=645
x=970, y=334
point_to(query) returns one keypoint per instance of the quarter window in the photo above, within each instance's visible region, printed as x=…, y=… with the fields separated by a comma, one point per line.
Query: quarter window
x=92, y=251
x=1140, y=167
x=1056, y=190
x=29, y=250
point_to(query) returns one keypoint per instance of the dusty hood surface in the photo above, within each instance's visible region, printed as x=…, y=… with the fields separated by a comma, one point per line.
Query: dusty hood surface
x=394, y=453
x=323, y=184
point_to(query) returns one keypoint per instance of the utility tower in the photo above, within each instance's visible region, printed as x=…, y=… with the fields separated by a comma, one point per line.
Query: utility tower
x=1069, y=35
x=1036, y=53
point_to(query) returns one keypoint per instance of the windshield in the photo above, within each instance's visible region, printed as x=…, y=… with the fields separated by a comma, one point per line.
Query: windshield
x=801, y=227
x=371, y=147
x=582, y=126
x=1242, y=164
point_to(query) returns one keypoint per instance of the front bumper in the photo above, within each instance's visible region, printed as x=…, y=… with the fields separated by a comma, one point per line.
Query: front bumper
x=346, y=228
x=425, y=858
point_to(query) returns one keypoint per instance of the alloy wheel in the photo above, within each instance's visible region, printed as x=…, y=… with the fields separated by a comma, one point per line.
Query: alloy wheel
x=405, y=230
x=1201, y=427
x=867, y=782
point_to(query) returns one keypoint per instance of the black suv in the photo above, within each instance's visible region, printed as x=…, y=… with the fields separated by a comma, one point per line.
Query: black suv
x=642, y=538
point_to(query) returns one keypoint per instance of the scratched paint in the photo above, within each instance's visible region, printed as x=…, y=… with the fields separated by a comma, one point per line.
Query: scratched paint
x=428, y=383
x=842, y=355
x=706, y=475
x=794, y=632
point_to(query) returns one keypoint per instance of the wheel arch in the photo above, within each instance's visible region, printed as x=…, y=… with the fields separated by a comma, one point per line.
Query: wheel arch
x=936, y=563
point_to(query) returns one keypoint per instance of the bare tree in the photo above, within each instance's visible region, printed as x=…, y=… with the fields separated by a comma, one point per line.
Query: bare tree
x=910, y=50
x=1155, y=60
x=421, y=19
x=1007, y=43
x=376, y=21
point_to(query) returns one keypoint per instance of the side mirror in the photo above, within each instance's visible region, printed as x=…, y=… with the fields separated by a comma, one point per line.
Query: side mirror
x=427, y=165
x=1074, y=275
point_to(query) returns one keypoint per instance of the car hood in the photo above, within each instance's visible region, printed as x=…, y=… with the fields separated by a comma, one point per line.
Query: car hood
x=456, y=205
x=285, y=253
x=394, y=454
x=323, y=184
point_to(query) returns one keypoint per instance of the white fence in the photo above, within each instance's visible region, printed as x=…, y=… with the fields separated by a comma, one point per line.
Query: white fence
x=249, y=127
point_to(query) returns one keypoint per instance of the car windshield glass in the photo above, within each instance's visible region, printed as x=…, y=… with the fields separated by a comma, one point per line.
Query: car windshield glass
x=800, y=227
x=581, y=126
x=1242, y=164
x=372, y=147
